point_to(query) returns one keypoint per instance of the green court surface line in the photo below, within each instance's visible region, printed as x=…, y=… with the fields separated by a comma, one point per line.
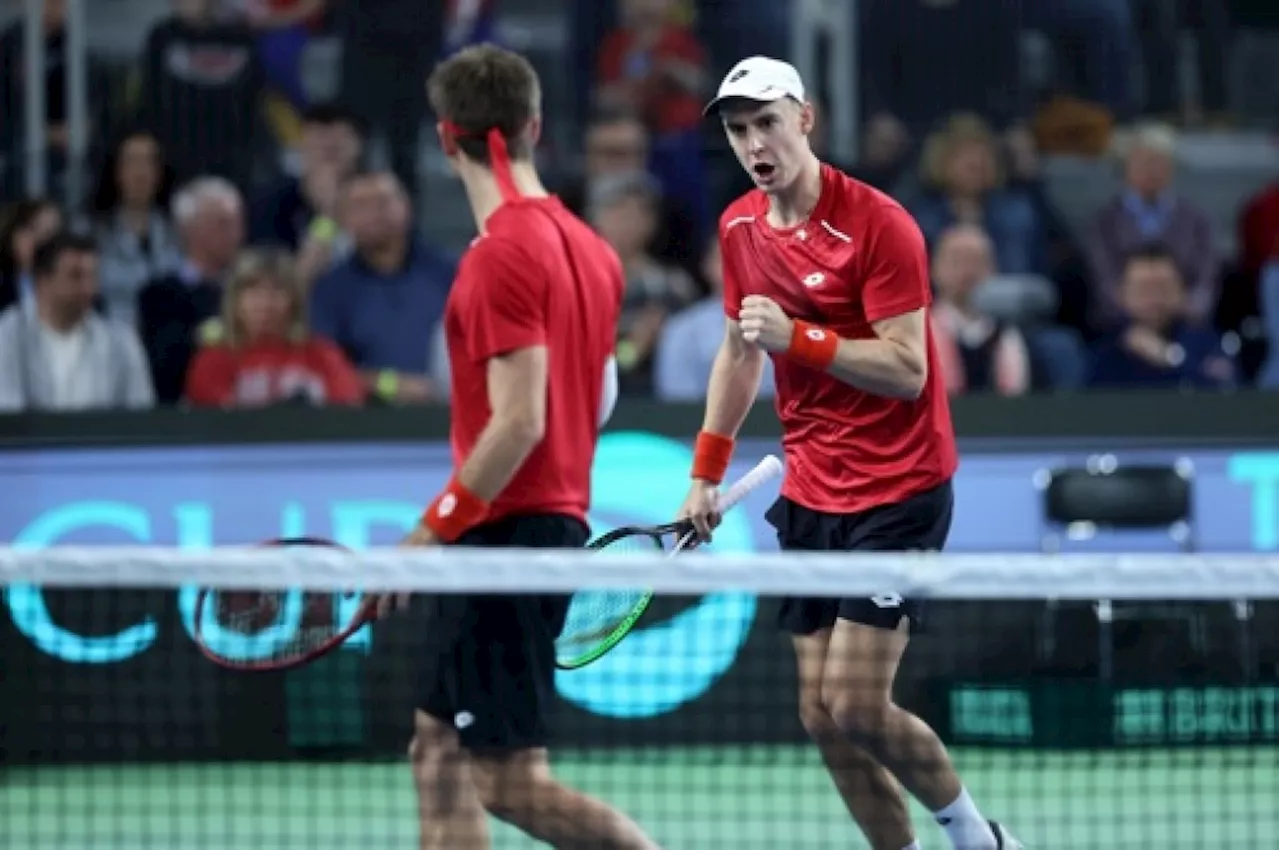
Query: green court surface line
x=737, y=798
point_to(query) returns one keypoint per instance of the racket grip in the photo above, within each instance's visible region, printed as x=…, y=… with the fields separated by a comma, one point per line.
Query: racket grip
x=769, y=467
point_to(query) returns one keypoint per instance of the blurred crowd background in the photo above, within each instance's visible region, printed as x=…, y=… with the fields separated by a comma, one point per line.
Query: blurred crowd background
x=237, y=203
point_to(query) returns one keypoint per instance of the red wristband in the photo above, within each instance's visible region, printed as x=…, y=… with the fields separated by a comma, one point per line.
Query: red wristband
x=454, y=511
x=711, y=456
x=812, y=346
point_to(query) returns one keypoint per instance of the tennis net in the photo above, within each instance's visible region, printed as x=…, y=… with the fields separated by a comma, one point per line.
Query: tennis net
x=1147, y=721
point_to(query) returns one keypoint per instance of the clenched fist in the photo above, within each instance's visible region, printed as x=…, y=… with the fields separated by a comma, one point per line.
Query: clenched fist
x=764, y=324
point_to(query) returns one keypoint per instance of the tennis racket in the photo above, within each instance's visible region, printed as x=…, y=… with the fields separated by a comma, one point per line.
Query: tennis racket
x=598, y=620
x=261, y=631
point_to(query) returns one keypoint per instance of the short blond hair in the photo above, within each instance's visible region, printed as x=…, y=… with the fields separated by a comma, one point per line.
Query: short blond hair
x=961, y=129
x=1154, y=136
x=250, y=268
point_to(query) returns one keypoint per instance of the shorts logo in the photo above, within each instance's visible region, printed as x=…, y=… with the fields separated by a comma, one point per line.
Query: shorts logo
x=814, y=279
x=739, y=75
x=887, y=600
x=816, y=335
x=447, y=504
x=463, y=719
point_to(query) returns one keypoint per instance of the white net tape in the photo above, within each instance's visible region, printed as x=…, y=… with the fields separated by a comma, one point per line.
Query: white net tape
x=920, y=575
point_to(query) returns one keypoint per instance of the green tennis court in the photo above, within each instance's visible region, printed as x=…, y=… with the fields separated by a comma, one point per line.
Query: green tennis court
x=737, y=798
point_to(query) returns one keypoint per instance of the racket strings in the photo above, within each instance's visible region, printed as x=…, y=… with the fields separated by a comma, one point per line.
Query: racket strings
x=259, y=614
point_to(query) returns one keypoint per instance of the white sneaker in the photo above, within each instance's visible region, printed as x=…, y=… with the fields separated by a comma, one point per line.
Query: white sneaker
x=1004, y=838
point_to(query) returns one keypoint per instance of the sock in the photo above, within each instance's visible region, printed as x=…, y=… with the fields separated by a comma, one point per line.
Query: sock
x=965, y=825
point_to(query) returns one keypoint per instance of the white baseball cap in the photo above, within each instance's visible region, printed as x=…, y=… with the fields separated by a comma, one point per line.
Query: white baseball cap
x=759, y=78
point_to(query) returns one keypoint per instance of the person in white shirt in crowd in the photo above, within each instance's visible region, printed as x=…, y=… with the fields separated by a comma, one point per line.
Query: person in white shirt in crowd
x=689, y=341
x=56, y=352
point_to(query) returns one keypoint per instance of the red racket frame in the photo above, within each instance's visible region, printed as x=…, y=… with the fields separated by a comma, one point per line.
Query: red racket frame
x=363, y=618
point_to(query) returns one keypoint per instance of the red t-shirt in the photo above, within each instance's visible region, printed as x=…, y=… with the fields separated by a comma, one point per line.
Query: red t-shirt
x=1260, y=230
x=272, y=372
x=516, y=289
x=858, y=259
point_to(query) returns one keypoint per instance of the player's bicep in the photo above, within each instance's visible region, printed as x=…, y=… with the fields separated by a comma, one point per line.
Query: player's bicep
x=517, y=390
x=906, y=332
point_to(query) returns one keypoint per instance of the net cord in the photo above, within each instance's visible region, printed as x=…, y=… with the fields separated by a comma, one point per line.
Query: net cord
x=512, y=571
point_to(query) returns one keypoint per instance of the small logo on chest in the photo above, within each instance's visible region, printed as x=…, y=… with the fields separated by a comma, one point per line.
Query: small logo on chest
x=814, y=279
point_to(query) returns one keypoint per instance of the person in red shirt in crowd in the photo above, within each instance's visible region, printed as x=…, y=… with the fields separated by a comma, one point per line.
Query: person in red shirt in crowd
x=530, y=327
x=1259, y=231
x=260, y=353
x=829, y=278
x=654, y=67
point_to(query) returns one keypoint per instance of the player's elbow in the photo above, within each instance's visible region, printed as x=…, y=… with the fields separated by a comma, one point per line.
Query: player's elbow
x=912, y=385
x=912, y=375
x=525, y=428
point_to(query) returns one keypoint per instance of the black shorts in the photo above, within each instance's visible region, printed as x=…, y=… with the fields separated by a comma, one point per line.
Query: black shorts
x=489, y=661
x=922, y=522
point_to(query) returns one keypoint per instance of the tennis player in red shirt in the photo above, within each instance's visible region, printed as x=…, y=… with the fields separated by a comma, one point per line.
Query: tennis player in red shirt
x=530, y=326
x=829, y=277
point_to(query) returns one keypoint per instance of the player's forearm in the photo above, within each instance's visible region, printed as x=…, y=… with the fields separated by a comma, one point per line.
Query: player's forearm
x=735, y=381
x=503, y=447
x=880, y=366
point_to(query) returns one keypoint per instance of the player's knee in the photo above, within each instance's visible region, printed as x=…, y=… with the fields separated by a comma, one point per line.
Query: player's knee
x=862, y=718
x=512, y=793
x=504, y=802
x=815, y=718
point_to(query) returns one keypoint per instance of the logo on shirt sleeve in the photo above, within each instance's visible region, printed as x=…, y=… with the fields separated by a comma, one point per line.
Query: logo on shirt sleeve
x=814, y=279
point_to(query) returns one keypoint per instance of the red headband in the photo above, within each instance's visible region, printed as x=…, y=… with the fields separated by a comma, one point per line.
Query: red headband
x=499, y=157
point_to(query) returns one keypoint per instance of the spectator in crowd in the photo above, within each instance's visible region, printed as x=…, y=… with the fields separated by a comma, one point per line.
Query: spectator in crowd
x=689, y=341
x=1095, y=44
x=624, y=210
x=976, y=352
x=382, y=304
x=964, y=184
x=1063, y=261
x=130, y=209
x=1161, y=24
x=1269, y=299
x=23, y=226
x=1148, y=211
x=266, y=354
x=1241, y=305
x=1259, y=231
x=56, y=352
x=653, y=66
x=617, y=143
x=201, y=92
x=1155, y=345
x=976, y=44
x=388, y=47
x=284, y=27
x=300, y=212
x=173, y=309
x=884, y=155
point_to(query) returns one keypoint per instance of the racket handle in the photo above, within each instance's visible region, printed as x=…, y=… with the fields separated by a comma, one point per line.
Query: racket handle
x=769, y=467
